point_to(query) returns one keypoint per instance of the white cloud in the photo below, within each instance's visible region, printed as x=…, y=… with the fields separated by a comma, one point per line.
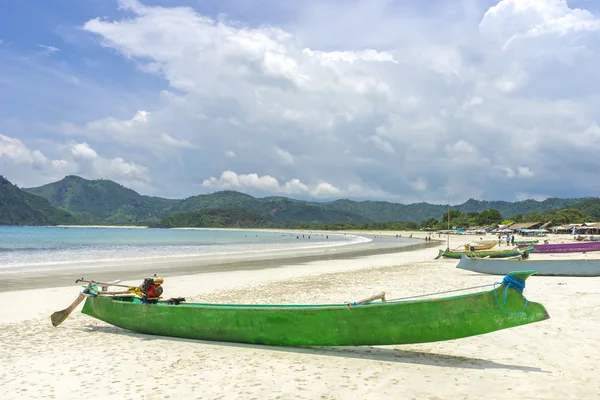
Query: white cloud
x=294, y=186
x=231, y=180
x=78, y=158
x=419, y=184
x=508, y=171
x=137, y=132
x=140, y=117
x=520, y=196
x=351, y=56
x=82, y=151
x=285, y=156
x=401, y=106
x=525, y=172
x=325, y=189
x=89, y=163
x=511, y=20
x=382, y=144
x=268, y=184
x=15, y=152
x=48, y=49
x=172, y=142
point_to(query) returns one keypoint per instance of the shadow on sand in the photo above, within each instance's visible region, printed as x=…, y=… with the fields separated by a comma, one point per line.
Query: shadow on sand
x=385, y=354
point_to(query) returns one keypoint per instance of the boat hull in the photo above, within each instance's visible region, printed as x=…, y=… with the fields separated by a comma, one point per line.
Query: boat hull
x=486, y=245
x=323, y=325
x=483, y=254
x=526, y=242
x=579, y=247
x=543, y=267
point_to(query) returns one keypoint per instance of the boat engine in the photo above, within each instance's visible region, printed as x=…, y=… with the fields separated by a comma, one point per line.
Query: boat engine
x=152, y=286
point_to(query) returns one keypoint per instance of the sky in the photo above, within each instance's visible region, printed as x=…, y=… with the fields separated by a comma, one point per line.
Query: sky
x=404, y=101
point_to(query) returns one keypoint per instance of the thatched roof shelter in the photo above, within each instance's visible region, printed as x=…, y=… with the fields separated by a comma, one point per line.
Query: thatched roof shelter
x=525, y=225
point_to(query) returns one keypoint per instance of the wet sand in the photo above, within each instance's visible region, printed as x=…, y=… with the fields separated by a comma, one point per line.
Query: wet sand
x=171, y=266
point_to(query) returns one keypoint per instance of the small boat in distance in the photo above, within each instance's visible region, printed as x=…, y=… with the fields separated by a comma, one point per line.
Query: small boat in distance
x=590, y=238
x=363, y=323
x=543, y=267
x=481, y=245
x=527, y=241
x=487, y=254
x=577, y=247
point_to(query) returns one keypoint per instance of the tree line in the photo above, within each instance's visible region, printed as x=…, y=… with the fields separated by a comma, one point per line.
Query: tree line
x=494, y=218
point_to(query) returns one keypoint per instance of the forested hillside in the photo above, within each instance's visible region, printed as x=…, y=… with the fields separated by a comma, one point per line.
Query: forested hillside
x=104, y=201
x=18, y=207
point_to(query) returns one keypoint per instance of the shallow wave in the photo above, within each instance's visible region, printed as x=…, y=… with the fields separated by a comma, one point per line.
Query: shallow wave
x=26, y=260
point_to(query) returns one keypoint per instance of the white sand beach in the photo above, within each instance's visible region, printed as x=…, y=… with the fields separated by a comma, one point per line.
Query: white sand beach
x=553, y=359
x=103, y=226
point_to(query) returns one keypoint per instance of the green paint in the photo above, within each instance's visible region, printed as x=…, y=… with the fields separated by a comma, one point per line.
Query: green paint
x=378, y=323
x=482, y=254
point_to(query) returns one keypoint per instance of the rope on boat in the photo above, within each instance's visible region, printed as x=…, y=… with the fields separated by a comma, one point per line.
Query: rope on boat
x=433, y=294
x=515, y=283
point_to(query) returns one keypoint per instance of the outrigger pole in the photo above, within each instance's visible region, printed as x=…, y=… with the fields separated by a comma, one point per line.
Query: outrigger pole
x=448, y=231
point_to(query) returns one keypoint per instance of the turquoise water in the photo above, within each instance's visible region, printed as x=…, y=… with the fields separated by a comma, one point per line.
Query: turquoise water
x=46, y=248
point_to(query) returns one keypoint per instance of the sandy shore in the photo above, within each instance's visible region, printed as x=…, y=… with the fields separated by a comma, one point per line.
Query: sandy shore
x=14, y=279
x=103, y=226
x=553, y=359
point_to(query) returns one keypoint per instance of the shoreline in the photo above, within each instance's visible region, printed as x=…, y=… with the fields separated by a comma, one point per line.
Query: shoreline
x=172, y=266
x=98, y=226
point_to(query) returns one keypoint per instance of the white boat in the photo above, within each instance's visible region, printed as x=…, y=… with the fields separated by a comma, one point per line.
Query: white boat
x=499, y=266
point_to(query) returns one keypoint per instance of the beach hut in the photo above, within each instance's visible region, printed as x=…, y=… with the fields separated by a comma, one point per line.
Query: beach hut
x=525, y=225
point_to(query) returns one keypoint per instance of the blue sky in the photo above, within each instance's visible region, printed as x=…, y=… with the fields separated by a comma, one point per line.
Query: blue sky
x=394, y=100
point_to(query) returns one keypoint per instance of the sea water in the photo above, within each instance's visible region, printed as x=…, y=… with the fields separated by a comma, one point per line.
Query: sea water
x=29, y=249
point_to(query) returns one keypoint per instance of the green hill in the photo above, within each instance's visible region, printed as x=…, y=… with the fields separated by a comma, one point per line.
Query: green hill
x=104, y=201
x=279, y=209
x=215, y=218
x=18, y=207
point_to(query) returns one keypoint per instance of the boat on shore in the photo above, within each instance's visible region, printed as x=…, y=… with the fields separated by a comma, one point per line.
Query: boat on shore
x=586, y=238
x=481, y=245
x=577, y=247
x=363, y=323
x=524, y=252
x=543, y=267
x=526, y=241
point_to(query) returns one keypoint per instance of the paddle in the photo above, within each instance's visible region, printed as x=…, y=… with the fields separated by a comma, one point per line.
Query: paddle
x=132, y=289
x=113, y=283
x=58, y=317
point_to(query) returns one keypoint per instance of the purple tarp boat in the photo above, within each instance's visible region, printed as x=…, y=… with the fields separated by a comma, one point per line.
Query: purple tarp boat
x=579, y=247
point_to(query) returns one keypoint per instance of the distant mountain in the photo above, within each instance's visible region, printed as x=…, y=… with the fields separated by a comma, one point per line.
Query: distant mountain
x=104, y=201
x=18, y=207
x=279, y=209
x=508, y=209
x=381, y=211
x=215, y=218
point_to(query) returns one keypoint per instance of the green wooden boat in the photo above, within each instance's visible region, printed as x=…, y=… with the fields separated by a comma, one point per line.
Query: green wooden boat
x=486, y=254
x=527, y=241
x=376, y=323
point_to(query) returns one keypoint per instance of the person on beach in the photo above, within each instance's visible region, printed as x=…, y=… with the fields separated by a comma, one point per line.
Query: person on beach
x=512, y=240
x=508, y=240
